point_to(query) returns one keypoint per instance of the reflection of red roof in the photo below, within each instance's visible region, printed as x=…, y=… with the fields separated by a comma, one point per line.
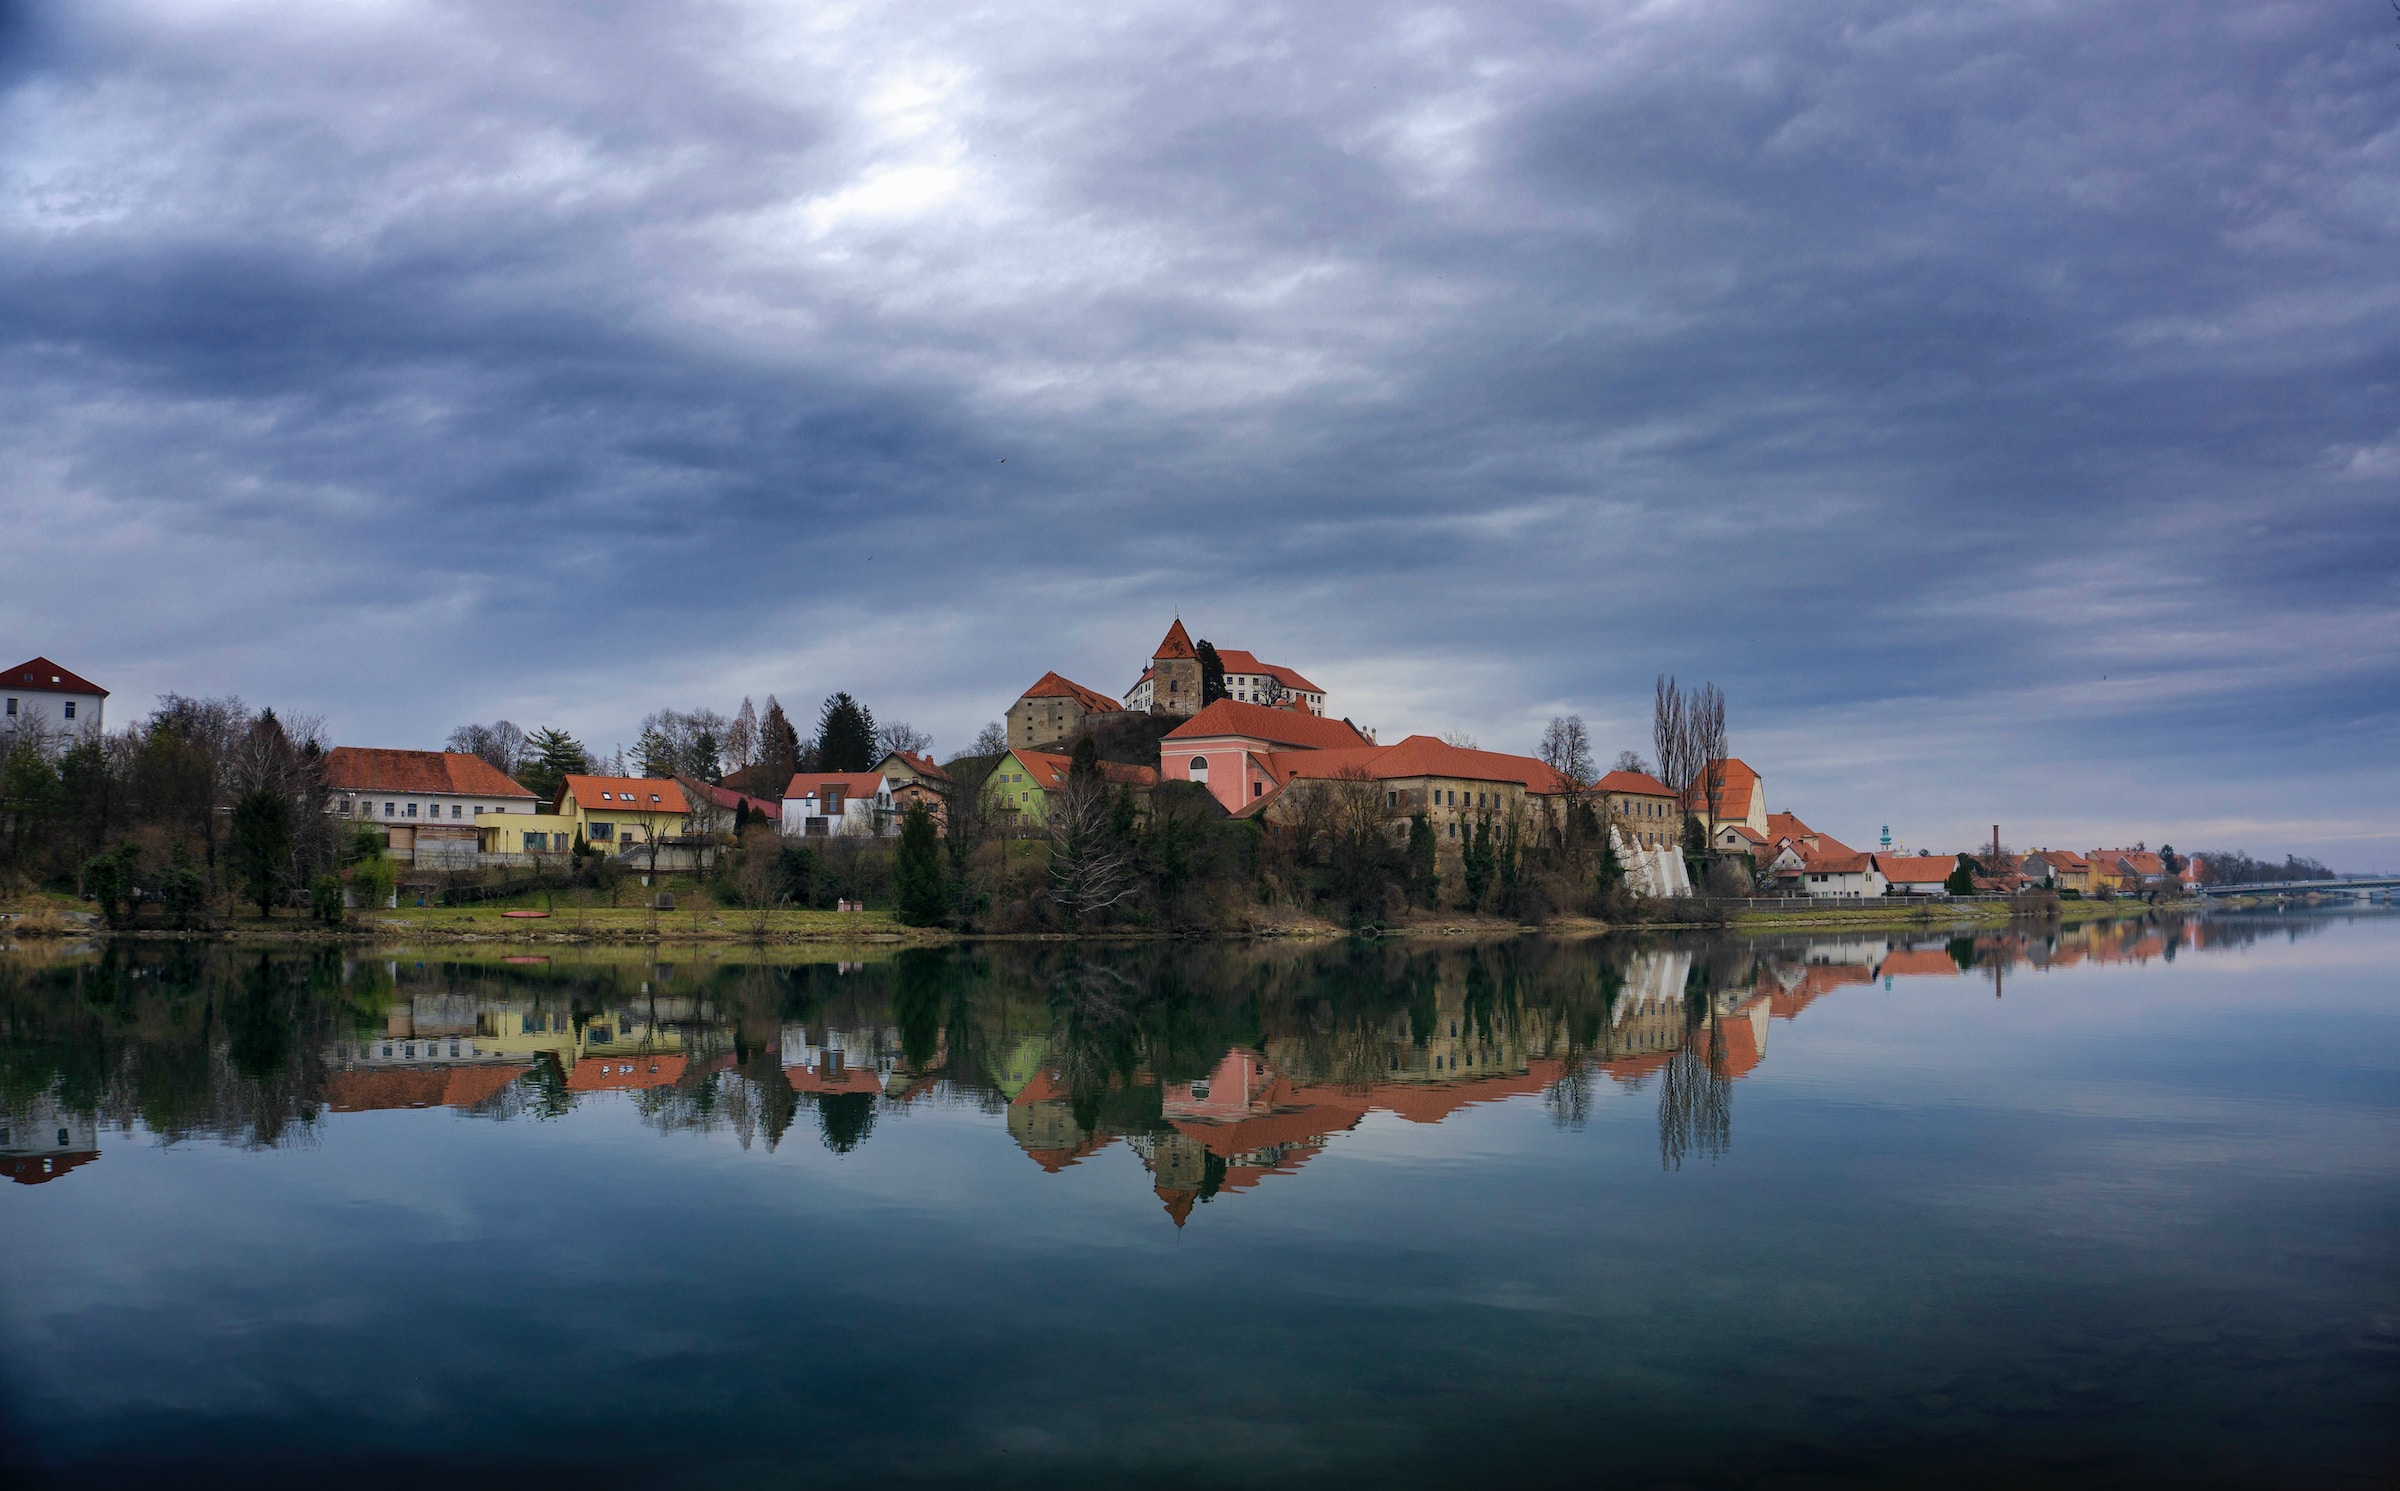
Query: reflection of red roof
x=1266, y=1130
x=1917, y=962
x=1816, y=981
x=1233, y=719
x=355, y=769
x=624, y=1073
x=852, y=1079
x=1634, y=1068
x=1178, y=1202
x=361, y=1091
x=32, y=1169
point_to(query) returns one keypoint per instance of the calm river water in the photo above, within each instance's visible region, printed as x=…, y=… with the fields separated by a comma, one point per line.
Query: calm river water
x=2114, y=1207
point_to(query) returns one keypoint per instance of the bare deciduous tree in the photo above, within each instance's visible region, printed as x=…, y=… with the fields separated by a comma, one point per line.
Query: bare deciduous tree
x=1461, y=739
x=1091, y=867
x=901, y=736
x=991, y=740
x=500, y=744
x=1631, y=761
x=1567, y=749
x=741, y=738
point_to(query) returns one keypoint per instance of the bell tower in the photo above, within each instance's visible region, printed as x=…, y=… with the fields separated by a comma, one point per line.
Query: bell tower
x=1175, y=673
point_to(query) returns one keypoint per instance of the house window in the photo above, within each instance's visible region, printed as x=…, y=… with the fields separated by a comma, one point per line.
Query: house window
x=412, y=810
x=1199, y=766
x=70, y=709
x=455, y=812
x=479, y=810
x=12, y=708
x=387, y=810
x=604, y=831
x=1258, y=789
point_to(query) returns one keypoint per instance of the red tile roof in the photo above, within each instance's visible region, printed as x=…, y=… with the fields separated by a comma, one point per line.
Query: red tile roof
x=1238, y=661
x=2064, y=859
x=728, y=799
x=854, y=784
x=922, y=765
x=1419, y=756
x=1734, y=789
x=1049, y=770
x=357, y=769
x=1231, y=719
x=1848, y=862
x=43, y=676
x=1635, y=784
x=1917, y=869
x=1177, y=643
x=624, y=794
x=1052, y=686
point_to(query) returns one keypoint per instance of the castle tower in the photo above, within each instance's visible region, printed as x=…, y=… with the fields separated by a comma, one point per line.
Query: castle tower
x=1175, y=673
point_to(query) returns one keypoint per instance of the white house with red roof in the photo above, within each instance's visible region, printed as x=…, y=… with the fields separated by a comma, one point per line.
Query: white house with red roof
x=839, y=804
x=38, y=692
x=433, y=806
x=1170, y=684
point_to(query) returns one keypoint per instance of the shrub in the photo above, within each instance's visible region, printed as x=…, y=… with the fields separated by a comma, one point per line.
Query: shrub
x=325, y=899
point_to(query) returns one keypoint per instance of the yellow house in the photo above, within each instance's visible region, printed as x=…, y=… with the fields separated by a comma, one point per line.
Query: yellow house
x=532, y=834
x=614, y=814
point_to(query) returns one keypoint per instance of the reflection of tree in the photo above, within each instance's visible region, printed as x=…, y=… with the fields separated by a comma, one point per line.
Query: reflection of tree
x=844, y=1119
x=1695, y=1097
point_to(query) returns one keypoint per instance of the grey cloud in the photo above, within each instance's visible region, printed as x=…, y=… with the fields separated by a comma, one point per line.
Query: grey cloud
x=1873, y=357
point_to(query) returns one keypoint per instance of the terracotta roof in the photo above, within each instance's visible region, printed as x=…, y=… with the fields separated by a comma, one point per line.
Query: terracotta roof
x=1238, y=661
x=356, y=769
x=2063, y=859
x=854, y=784
x=1419, y=756
x=1918, y=962
x=624, y=1073
x=1789, y=826
x=1734, y=789
x=625, y=794
x=922, y=765
x=1848, y=863
x=368, y=1090
x=34, y=1169
x=1052, y=686
x=43, y=676
x=1049, y=770
x=1233, y=719
x=1634, y=783
x=1177, y=643
x=728, y=799
x=1917, y=869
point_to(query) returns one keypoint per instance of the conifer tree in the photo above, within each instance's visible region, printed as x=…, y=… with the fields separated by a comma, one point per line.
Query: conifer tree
x=917, y=871
x=845, y=735
x=1424, y=866
x=551, y=755
x=778, y=747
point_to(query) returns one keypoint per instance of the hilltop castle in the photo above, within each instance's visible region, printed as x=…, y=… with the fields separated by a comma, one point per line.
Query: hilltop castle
x=1056, y=708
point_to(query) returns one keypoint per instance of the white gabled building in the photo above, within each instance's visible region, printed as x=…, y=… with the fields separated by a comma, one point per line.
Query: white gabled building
x=39, y=692
x=835, y=804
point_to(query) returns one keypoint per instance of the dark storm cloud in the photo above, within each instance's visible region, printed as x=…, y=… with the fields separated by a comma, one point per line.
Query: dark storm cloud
x=2005, y=394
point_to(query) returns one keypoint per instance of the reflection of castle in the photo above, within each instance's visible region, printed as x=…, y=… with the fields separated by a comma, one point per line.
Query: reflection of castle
x=42, y=1141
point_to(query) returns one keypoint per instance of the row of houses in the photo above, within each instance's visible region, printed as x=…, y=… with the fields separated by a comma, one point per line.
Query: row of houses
x=1261, y=743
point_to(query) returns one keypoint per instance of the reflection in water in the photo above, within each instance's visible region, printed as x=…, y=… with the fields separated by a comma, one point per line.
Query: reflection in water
x=1220, y=1068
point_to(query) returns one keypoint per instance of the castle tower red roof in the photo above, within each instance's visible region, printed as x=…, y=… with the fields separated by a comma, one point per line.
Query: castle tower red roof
x=1178, y=643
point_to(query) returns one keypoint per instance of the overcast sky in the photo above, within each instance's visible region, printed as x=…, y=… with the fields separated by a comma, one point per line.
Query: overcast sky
x=2000, y=400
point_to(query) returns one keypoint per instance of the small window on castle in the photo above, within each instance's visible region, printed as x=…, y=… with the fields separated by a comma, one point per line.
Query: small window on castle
x=1200, y=765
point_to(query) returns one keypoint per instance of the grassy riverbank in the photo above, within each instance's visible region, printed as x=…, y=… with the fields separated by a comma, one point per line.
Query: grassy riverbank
x=696, y=922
